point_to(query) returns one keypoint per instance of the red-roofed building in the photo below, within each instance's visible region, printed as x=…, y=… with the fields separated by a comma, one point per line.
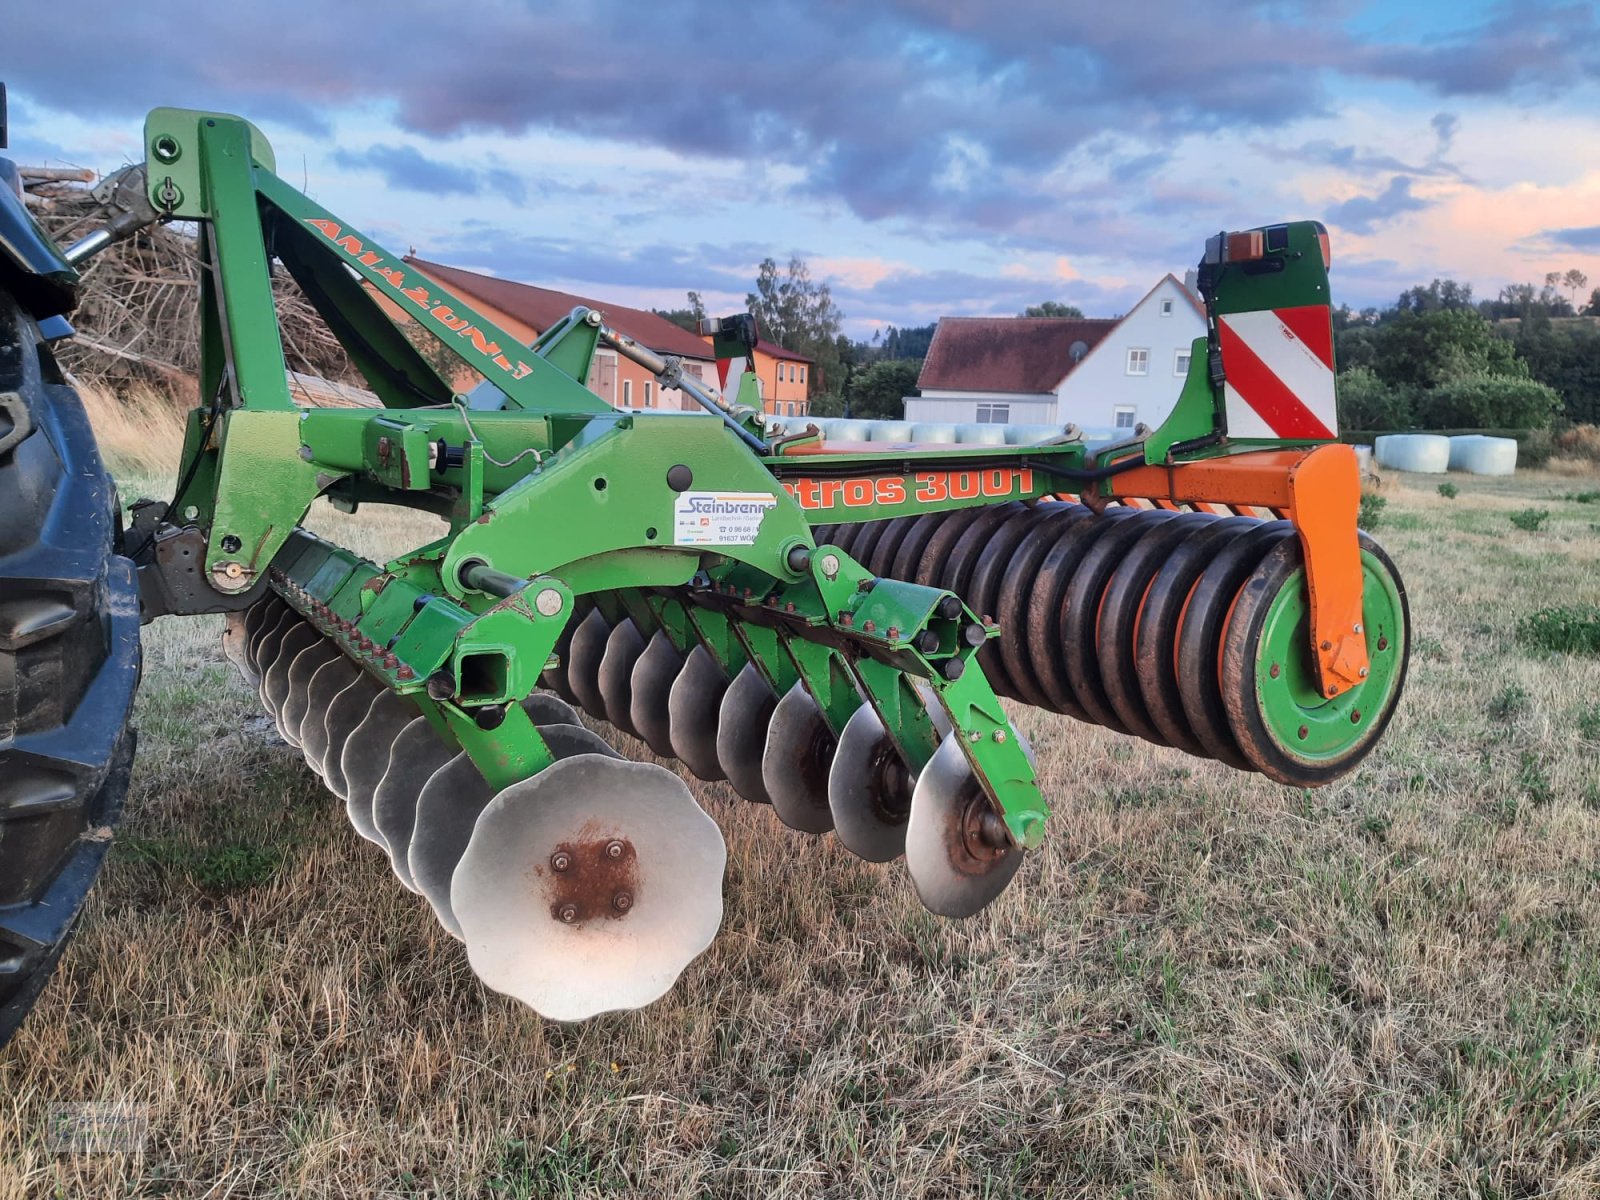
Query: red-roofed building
x=785, y=378
x=1097, y=374
x=527, y=311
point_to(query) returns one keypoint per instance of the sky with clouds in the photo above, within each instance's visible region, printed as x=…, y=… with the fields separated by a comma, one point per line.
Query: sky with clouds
x=928, y=157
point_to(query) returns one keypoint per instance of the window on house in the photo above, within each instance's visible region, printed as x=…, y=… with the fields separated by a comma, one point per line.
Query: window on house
x=1122, y=416
x=802, y=374
x=790, y=411
x=1138, y=360
x=627, y=393
x=1166, y=308
x=649, y=394
x=1180, y=362
x=990, y=413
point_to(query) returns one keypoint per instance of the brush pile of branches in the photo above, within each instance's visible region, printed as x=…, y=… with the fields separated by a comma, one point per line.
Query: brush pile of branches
x=137, y=319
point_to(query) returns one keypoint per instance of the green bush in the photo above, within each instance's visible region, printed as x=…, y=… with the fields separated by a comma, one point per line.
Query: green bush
x=1562, y=630
x=1488, y=400
x=1449, y=491
x=1367, y=402
x=1370, y=515
x=1530, y=519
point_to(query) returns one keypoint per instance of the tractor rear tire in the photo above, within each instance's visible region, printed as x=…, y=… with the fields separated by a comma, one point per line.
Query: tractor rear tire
x=69, y=662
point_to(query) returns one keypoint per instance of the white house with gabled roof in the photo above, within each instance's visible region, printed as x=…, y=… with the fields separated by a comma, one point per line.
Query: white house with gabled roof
x=1101, y=375
x=1133, y=375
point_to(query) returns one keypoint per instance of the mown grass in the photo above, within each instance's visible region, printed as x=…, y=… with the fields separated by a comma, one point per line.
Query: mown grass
x=1202, y=985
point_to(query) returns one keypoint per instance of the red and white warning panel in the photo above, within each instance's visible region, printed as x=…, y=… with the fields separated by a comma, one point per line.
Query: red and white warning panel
x=1279, y=369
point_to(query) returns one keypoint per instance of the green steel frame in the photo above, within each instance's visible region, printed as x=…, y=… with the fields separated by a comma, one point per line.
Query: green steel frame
x=557, y=497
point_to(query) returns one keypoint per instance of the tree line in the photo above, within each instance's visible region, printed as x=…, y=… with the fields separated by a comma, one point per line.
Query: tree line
x=1438, y=359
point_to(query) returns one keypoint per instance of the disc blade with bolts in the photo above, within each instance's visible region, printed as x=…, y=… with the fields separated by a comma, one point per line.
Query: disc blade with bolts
x=742, y=721
x=297, y=700
x=330, y=681
x=417, y=753
x=869, y=790
x=366, y=757
x=693, y=708
x=638, y=896
x=275, y=678
x=623, y=648
x=448, y=807
x=584, y=656
x=348, y=710
x=544, y=709
x=652, y=680
x=795, y=764
x=951, y=854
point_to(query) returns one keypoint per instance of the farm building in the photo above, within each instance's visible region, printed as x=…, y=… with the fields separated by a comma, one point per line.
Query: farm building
x=1096, y=373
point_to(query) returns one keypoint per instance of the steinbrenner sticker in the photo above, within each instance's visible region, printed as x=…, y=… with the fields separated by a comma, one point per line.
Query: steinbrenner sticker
x=719, y=518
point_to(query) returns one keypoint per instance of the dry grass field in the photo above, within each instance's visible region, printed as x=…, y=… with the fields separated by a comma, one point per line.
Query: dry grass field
x=1203, y=985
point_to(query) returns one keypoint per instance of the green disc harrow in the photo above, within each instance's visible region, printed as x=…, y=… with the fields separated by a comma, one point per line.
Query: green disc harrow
x=834, y=628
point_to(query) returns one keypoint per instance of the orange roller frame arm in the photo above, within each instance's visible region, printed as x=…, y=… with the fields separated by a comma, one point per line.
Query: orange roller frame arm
x=1319, y=490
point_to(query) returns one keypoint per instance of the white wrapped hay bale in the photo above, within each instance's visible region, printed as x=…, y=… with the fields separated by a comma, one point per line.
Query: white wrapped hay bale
x=1420, y=453
x=927, y=431
x=1480, y=455
x=843, y=430
x=889, y=431
x=981, y=435
x=1031, y=435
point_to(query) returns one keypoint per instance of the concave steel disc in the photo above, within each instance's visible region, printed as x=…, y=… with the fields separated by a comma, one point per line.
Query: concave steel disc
x=297, y=700
x=273, y=632
x=348, y=710
x=636, y=898
x=544, y=709
x=795, y=764
x=235, y=632
x=869, y=790
x=258, y=618
x=327, y=685
x=693, y=708
x=275, y=679
x=449, y=805
x=584, y=656
x=555, y=678
x=653, y=676
x=266, y=616
x=417, y=753
x=366, y=757
x=447, y=808
x=624, y=647
x=955, y=870
x=742, y=722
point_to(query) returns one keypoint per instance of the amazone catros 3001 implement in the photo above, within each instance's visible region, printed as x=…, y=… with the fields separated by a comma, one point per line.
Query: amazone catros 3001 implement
x=829, y=627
